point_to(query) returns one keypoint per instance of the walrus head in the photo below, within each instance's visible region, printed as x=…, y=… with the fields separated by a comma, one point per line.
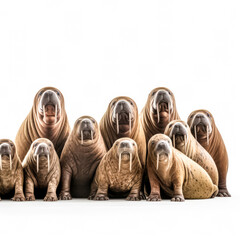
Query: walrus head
x=49, y=103
x=160, y=149
x=161, y=105
x=200, y=123
x=40, y=154
x=123, y=113
x=7, y=152
x=126, y=150
x=177, y=130
x=86, y=129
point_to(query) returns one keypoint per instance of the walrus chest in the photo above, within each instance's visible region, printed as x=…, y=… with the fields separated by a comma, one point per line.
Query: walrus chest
x=7, y=183
x=42, y=180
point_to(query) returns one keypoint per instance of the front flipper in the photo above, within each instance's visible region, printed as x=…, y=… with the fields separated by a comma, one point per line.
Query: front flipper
x=178, y=198
x=223, y=193
x=65, y=196
x=50, y=197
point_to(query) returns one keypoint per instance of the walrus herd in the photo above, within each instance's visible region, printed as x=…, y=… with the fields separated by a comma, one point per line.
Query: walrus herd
x=150, y=155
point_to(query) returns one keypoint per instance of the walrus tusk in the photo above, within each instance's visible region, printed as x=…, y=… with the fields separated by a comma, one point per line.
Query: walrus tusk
x=48, y=158
x=173, y=140
x=0, y=161
x=130, y=123
x=119, y=162
x=169, y=112
x=130, y=162
x=37, y=163
x=81, y=136
x=10, y=157
x=91, y=135
x=207, y=136
x=158, y=114
x=195, y=131
x=56, y=109
x=44, y=113
x=117, y=123
x=157, y=161
x=185, y=143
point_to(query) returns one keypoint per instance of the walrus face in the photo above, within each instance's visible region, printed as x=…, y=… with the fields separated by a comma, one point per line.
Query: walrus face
x=7, y=151
x=126, y=150
x=123, y=114
x=160, y=147
x=161, y=104
x=49, y=106
x=86, y=129
x=42, y=150
x=200, y=123
x=178, y=132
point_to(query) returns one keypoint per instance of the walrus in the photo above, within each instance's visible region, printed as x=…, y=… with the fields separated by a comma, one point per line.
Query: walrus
x=80, y=157
x=204, y=129
x=11, y=172
x=159, y=110
x=42, y=171
x=179, y=176
x=121, y=120
x=47, y=119
x=183, y=140
x=119, y=173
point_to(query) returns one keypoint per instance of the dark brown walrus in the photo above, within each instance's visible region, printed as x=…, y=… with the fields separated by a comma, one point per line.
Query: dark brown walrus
x=47, y=119
x=80, y=158
x=175, y=173
x=42, y=170
x=159, y=110
x=119, y=173
x=121, y=120
x=183, y=140
x=204, y=129
x=11, y=172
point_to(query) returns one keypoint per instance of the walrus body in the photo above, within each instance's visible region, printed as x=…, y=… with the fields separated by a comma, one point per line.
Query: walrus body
x=175, y=173
x=47, y=119
x=183, y=140
x=121, y=120
x=204, y=129
x=11, y=172
x=42, y=171
x=119, y=173
x=80, y=157
x=158, y=111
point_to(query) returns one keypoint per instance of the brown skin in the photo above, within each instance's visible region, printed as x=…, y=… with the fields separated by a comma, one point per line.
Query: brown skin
x=216, y=147
x=108, y=127
x=11, y=179
x=149, y=117
x=80, y=158
x=121, y=183
x=177, y=175
x=37, y=126
x=192, y=148
x=42, y=180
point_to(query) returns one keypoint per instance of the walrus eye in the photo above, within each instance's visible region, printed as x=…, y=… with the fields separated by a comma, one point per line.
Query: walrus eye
x=208, y=115
x=58, y=93
x=153, y=93
x=131, y=103
x=40, y=94
x=192, y=116
x=153, y=142
x=169, y=93
x=35, y=145
x=11, y=144
x=170, y=125
x=133, y=144
x=93, y=121
x=113, y=103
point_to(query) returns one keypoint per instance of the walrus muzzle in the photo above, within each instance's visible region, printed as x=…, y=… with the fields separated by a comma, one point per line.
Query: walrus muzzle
x=86, y=130
x=123, y=116
x=42, y=151
x=201, y=126
x=6, y=151
x=126, y=148
x=50, y=107
x=179, y=134
x=161, y=104
x=162, y=151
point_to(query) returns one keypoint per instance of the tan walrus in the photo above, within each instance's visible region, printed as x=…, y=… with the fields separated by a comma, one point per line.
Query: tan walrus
x=183, y=140
x=11, y=172
x=80, y=158
x=179, y=176
x=47, y=119
x=42, y=171
x=119, y=173
x=159, y=110
x=204, y=129
x=121, y=120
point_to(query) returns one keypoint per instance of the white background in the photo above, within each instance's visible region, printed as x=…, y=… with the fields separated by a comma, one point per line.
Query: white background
x=94, y=51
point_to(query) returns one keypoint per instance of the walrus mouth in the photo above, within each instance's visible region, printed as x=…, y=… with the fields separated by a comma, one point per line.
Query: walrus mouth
x=86, y=130
x=42, y=151
x=5, y=151
x=164, y=157
x=162, y=151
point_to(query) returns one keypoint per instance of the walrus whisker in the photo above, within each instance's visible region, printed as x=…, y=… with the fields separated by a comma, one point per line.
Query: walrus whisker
x=37, y=163
x=48, y=158
x=185, y=143
x=130, y=123
x=117, y=123
x=1, y=161
x=157, y=161
x=174, y=140
x=207, y=136
x=130, y=162
x=158, y=114
x=81, y=136
x=56, y=109
x=119, y=162
x=195, y=131
x=91, y=135
x=10, y=157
